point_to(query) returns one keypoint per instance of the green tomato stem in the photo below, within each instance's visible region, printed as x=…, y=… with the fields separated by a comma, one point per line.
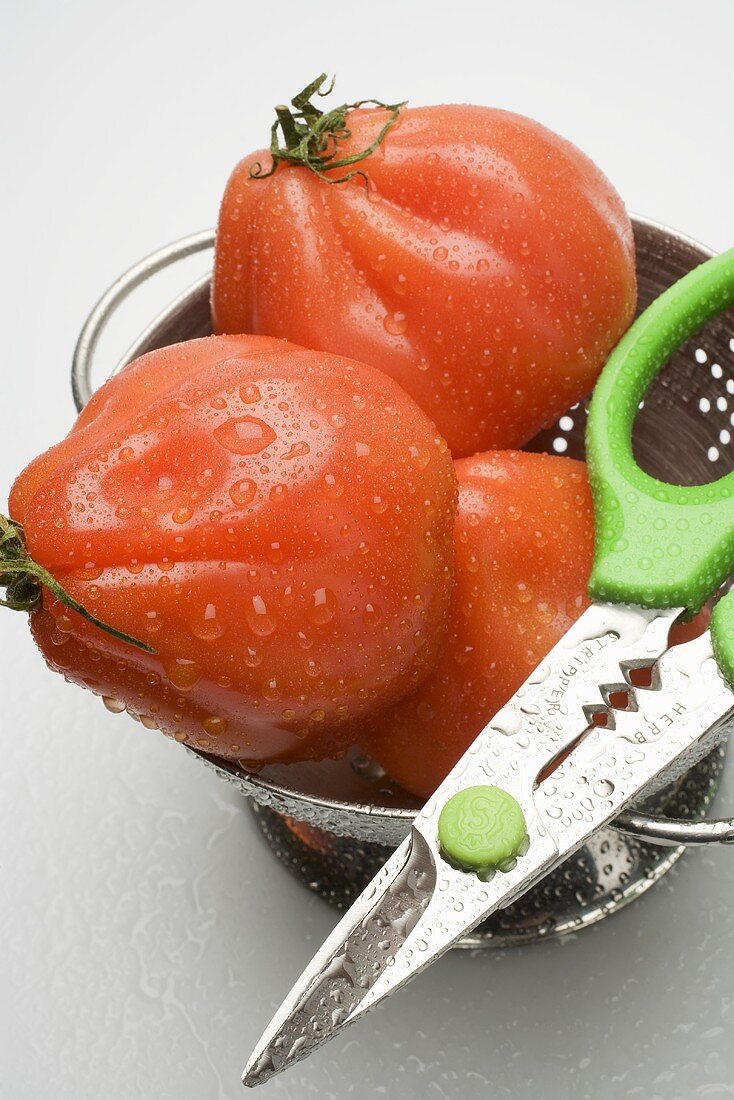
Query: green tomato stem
x=24, y=580
x=312, y=137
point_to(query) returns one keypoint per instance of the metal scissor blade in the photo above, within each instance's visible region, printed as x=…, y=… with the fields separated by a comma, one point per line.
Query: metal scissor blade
x=418, y=905
x=340, y=974
x=687, y=711
x=408, y=917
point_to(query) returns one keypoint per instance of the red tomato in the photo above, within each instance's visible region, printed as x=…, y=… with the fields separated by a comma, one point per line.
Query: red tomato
x=276, y=522
x=490, y=269
x=524, y=540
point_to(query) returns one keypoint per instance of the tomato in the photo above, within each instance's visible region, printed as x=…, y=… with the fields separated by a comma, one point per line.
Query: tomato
x=524, y=540
x=276, y=523
x=489, y=266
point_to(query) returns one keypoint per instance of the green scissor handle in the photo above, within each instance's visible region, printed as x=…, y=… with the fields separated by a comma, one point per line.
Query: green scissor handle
x=660, y=545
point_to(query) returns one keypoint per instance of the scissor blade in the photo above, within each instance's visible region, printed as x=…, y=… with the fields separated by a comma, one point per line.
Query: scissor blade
x=340, y=974
x=408, y=917
x=687, y=712
x=418, y=906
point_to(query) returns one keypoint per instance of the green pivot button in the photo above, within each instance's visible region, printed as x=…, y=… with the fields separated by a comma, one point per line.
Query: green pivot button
x=481, y=828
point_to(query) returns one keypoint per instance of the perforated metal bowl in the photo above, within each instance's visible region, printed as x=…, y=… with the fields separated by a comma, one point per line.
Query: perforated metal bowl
x=333, y=823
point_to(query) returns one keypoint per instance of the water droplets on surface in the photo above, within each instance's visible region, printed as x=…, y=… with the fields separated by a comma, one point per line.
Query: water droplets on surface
x=323, y=606
x=243, y=492
x=244, y=435
x=183, y=673
x=395, y=323
x=258, y=618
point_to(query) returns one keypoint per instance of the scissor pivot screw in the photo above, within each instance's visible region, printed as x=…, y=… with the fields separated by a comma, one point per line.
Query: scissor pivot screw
x=482, y=828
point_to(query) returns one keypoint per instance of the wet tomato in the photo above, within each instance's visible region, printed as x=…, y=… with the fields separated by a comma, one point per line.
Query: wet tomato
x=276, y=523
x=488, y=267
x=524, y=539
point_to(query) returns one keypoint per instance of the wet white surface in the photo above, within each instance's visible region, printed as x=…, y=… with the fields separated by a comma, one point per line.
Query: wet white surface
x=145, y=932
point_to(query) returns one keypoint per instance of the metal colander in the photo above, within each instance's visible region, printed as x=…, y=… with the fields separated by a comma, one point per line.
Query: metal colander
x=333, y=823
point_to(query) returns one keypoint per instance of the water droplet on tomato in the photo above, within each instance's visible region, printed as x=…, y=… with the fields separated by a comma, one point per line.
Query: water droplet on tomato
x=258, y=619
x=323, y=606
x=182, y=514
x=115, y=706
x=214, y=726
x=440, y=253
x=420, y=455
x=183, y=673
x=297, y=450
x=208, y=628
x=395, y=323
x=270, y=689
x=153, y=622
x=371, y=614
x=524, y=595
x=333, y=487
x=244, y=435
x=243, y=492
x=249, y=394
x=253, y=657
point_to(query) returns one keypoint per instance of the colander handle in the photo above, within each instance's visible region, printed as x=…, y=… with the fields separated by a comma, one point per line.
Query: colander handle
x=660, y=545
x=112, y=299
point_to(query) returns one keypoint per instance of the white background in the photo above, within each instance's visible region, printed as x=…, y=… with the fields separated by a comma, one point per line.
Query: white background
x=145, y=933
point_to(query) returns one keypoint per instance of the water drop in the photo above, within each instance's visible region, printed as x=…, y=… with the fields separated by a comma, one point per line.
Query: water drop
x=258, y=619
x=183, y=673
x=332, y=486
x=182, y=514
x=603, y=788
x=323, y=606
x=243, y=492
x=395, y=323
x=249, y=394
x=371, y=614
x=253, y=657
x=207, y=628
x=270, y=689
x=244, y=435
x=420, y=455
x=297, y=450
x=214, y=725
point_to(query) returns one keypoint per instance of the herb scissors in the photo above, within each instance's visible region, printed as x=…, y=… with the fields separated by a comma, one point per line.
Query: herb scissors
x=581, y=739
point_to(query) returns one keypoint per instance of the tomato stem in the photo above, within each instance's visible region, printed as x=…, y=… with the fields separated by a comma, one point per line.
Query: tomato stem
x=312, y=137
x=24, y=580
